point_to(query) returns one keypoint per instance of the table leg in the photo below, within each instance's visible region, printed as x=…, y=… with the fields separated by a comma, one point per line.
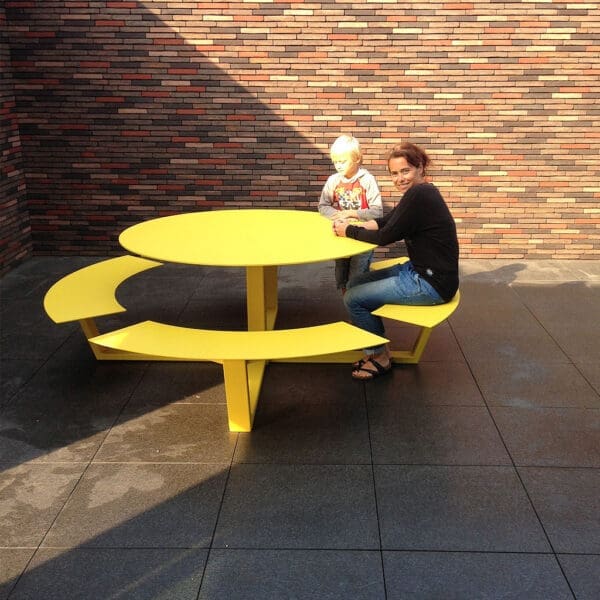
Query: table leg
x=261, y=297
x=243, y=380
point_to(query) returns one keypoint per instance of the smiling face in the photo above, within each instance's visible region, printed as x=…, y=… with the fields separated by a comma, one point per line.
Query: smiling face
x=345, y=164
x=403, y=174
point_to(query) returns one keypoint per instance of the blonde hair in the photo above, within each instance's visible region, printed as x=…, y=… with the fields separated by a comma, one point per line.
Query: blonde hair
x=346, y=144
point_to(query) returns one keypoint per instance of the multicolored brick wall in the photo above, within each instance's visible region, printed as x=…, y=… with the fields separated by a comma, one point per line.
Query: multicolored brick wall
x=132, y=109
x=15, y=233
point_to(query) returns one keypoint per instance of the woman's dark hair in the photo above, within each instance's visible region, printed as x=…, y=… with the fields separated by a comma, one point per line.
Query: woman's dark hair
x=414, y=155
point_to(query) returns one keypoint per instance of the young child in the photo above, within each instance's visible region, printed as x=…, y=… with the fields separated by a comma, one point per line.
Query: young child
x=350, y=193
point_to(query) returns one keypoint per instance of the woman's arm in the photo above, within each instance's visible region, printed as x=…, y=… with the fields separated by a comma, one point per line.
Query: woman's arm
x=395, y=226
x=340, y=226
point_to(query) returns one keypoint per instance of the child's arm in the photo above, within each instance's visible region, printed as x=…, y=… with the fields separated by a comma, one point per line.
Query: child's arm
x=375, y=209
x=326, y=208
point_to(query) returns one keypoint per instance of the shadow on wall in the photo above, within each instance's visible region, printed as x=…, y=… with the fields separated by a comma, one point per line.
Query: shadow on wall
x=124, y=119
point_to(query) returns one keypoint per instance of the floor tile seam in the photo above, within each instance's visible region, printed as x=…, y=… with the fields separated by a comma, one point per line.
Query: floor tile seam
x=163, y=462
x=42, y=363
x=233, y=464
x=376, y=502
x=366, y=548
x=541, y=324
x=299, y=549
x=296, y=549
x=510, y=456
x=470, y=552
x=560, y=467
x=587, y=380
x=92, y=548
x=89, y=463
x=177, y=403
x=390, y=549
x=146, y=367
x=301, y=464
x=417, y=404
x=447, y=465
x=544, y=406
x=218, y=512
x=566, y=553
x=48, y=528
x=536, y=513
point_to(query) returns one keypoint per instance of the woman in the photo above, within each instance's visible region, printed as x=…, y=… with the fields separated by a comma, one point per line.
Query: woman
x=423, y=220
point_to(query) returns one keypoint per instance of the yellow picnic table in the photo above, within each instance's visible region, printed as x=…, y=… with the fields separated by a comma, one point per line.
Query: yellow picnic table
x=258, y=239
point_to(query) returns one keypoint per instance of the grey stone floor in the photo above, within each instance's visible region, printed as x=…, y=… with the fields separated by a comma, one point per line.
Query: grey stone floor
x=475, y=474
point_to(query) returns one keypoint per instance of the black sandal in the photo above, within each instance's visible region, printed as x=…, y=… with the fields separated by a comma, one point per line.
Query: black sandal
x=373, y=373
x=359, y=363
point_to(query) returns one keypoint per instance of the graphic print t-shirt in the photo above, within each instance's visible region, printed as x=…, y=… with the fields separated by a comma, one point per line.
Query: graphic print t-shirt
x=349, y=196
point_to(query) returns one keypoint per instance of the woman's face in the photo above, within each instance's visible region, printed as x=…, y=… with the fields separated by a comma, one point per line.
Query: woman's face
x=403, y=174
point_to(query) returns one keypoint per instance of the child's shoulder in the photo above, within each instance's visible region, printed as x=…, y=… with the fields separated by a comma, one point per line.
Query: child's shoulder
x=366, y=176
x=362, y=172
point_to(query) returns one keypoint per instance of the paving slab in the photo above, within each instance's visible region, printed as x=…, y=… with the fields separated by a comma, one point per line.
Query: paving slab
x=482, y=575
x=456, y=508
x=293, y=574
x=298, y=506
x=136, y=574
x=568, y=505
x=141, y=506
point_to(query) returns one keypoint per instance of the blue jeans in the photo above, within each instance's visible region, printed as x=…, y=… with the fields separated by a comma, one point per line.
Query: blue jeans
x=348, y=268
x=399, y=284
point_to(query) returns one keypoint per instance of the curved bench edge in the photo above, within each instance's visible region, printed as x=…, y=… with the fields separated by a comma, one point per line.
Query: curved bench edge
x=184, y=343
x=423, y=316
x=90, y=291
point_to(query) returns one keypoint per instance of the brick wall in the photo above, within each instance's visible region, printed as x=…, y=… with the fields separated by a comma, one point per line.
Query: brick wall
x=131, y=109
x=15, y=234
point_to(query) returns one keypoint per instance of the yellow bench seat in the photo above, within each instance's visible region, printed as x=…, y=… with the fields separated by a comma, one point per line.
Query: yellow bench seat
x=160, y=340
x=425, y=317
x=243, y=354
x=90, y=292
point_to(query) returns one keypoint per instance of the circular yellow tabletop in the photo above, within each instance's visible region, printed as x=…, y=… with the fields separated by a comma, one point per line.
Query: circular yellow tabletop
x=236, y=238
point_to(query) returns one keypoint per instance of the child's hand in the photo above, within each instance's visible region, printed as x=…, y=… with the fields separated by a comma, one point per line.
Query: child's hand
x=347, y=214
x=339, y=227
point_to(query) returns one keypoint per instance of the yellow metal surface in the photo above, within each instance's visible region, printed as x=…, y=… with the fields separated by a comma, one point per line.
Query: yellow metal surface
x=424, y=316
x=243, y=354
x=240, y=238
x=240, y=409
x=261, y=297
x=90, y=292
x=388, y=262
x=182, y=343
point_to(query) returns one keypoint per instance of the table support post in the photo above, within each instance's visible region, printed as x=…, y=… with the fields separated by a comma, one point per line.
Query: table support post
x=261, y=297
x=243, y=380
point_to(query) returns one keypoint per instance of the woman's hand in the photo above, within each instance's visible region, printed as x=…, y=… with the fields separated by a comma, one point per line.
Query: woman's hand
x=340, y=226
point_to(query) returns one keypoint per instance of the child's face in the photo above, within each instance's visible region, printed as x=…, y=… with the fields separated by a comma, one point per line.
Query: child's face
x=345, y=164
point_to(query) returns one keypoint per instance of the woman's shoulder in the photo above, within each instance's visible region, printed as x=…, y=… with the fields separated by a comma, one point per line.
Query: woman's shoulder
x=428, y=188
x=425, y=190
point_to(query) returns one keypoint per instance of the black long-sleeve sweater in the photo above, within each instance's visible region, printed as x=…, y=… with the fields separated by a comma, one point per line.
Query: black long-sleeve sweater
x=423, y=220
